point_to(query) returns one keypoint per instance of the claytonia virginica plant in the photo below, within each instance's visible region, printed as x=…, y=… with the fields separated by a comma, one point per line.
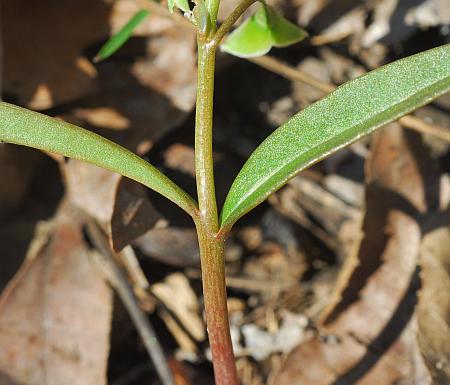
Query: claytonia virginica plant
x=355, y=109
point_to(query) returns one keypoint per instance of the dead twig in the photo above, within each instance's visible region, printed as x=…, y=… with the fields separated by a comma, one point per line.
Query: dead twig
x=293, y=74
x=414, y=123
x=104, y=259
x=141, y=286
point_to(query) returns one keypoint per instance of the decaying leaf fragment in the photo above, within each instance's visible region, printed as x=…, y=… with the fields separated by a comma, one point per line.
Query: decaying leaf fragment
x=55, y=314
x=433, y=311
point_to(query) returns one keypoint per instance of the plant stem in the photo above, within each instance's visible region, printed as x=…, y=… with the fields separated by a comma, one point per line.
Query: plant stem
x=212, y=242
x=215, y=301
x=211, y=247
x=203, y=137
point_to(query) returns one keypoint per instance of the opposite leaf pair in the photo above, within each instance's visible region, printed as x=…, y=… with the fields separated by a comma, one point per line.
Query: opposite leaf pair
x=353, y=110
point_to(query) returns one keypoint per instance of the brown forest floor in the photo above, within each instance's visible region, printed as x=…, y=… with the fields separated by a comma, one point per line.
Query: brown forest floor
x=342, y=277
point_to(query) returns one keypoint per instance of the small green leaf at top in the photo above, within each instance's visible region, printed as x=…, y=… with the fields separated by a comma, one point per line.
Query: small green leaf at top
x=353, y=110
x=265, y=29
x=180, y=4
x=120, y=38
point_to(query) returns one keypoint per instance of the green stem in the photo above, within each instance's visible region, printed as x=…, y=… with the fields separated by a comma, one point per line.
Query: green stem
x=203, y=137
x=211, y=247
x=211, y=242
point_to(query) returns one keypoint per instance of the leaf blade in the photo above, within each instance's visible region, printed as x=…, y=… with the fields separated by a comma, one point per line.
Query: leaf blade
x=120, y=38
x=251, y=39
x=355, y=109
x=284, y=33
x=264, y=29
x=32, y=129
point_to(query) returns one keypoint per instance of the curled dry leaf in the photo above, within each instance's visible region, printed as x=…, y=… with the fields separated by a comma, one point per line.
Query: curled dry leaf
x=55, y=314
x=433, y=311
x=368, y=334
x=132, y=215
x=119, y=204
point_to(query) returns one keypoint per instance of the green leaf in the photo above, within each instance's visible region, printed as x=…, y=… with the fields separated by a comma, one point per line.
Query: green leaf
x=252, y=38
x=120, y=38
x=355, y=109
x=24, y=127
x=284, y=33
x=260, y=32
x=181, y=4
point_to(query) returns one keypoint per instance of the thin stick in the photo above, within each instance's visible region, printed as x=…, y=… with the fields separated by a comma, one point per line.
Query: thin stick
x=411, y=121
x=285, y=70
x=105, y=261
x=293, y=74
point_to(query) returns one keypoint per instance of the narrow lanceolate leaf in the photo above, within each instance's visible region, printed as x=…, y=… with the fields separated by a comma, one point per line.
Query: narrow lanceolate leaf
x=24, y=127
x=120, y=38
x=355, y=109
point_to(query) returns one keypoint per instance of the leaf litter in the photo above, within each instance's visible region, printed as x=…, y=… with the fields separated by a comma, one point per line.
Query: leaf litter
x=283, y=263
x=55, y=314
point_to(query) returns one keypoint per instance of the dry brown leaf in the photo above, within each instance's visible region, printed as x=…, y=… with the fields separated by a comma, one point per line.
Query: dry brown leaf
x=119, y=204
x=369, y=332
x=49, y=68
x=133, y=214
x=91, y=188
x=145, y=90
x=145, y=93
x=55, y=314
x=433, y=311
